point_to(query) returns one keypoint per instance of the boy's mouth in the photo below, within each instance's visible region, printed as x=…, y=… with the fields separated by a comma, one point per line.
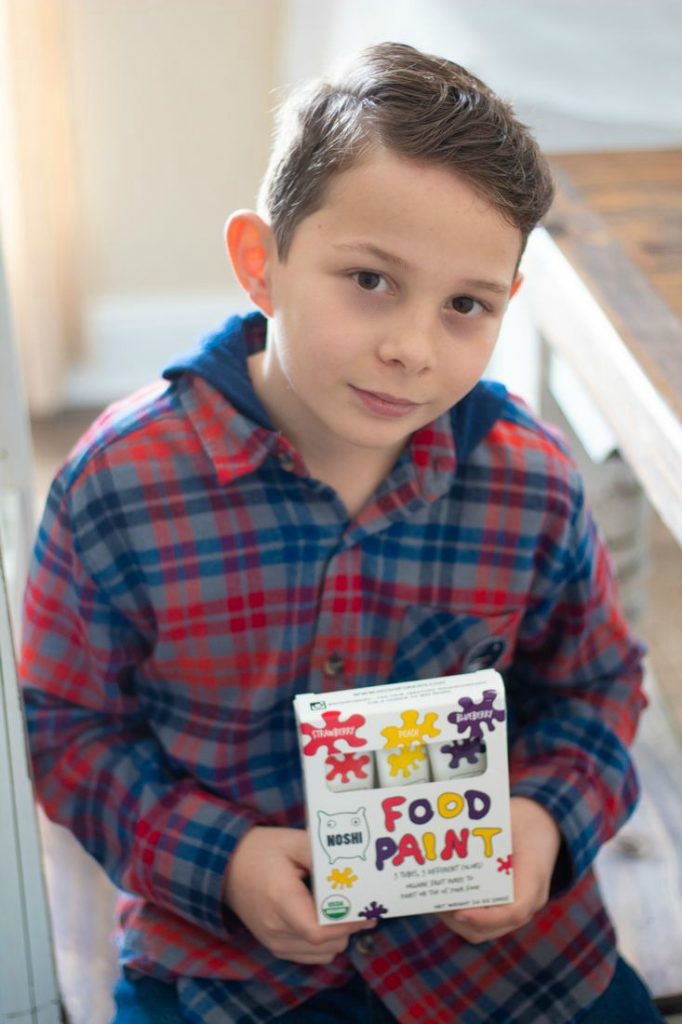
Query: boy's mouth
x=382, y=404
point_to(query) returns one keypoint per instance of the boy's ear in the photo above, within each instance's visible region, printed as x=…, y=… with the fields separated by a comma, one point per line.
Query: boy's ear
x=250, y=244
x=516, y=284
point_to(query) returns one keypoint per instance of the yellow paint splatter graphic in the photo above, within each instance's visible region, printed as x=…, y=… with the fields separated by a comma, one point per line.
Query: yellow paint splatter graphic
x=411, y=730
x=406, y=761
x=342, y=879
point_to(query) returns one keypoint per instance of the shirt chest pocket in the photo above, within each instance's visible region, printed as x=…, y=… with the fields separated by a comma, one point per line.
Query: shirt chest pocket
x=436, y=641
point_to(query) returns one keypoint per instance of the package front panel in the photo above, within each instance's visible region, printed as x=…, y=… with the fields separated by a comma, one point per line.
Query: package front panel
x=407, y=794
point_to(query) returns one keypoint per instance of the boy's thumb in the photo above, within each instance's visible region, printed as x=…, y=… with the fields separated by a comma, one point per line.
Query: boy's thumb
x=299, y=849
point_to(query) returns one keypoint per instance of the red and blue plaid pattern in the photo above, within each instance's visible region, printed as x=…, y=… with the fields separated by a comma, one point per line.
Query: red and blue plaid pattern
x=190, y=577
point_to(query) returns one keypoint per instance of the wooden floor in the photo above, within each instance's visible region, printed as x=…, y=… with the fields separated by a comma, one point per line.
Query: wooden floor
x=638, y=196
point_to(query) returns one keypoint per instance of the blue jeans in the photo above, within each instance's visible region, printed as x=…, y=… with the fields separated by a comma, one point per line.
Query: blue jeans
x=147, y=1001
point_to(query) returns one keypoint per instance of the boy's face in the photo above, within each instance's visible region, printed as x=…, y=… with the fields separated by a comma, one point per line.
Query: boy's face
x=387, y=307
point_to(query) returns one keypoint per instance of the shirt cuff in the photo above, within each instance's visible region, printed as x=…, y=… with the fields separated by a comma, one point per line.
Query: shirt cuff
x=586, y=818
x=181, y=855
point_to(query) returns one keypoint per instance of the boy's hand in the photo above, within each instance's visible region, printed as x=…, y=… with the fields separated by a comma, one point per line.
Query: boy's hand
x=535, y=841
x=265, y=886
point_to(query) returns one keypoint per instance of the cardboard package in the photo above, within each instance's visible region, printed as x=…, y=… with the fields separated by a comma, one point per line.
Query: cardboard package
x=407, y=794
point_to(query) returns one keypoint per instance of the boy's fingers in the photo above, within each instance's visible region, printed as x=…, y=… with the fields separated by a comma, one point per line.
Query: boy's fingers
x=488, y=922
x=298, y=913
x=493, y=917
x=306, y=941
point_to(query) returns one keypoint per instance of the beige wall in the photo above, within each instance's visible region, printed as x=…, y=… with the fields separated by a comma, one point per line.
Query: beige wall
x=171, y=121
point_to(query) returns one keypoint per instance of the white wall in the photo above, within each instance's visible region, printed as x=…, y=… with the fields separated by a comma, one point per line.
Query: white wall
x=171, y=120
x=585, y=74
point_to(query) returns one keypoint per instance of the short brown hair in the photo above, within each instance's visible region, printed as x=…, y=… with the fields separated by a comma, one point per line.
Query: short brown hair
x=415, y=105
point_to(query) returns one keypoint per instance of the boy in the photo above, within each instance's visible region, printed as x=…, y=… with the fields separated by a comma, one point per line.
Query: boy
x=326, y=496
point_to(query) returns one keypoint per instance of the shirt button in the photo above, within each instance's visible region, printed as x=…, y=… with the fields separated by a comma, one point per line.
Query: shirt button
x=364, y=944
x=286, y=461
x=333, y=666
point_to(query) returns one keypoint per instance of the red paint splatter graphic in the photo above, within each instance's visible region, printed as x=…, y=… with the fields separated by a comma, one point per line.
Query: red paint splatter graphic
x=334, y=730
x=344, y=765
x=504, y=864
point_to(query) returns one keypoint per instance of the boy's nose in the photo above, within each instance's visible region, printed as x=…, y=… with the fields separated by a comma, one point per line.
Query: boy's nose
x=409, y=345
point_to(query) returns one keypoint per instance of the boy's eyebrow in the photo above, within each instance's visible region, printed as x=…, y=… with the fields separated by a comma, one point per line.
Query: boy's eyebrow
x=375, y=250
x=490, y=286
x=397, y=261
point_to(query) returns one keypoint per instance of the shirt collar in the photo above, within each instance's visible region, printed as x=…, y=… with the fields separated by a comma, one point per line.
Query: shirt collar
x=238, y=434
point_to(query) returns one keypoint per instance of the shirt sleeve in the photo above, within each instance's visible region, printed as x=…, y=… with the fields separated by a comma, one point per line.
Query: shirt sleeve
x=99, y=768
x=575, y=692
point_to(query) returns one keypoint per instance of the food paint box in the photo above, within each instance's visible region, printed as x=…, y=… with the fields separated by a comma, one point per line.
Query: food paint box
x=407, y=796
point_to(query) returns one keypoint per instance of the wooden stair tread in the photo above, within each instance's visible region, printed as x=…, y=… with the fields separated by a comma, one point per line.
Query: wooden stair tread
x=640, y=871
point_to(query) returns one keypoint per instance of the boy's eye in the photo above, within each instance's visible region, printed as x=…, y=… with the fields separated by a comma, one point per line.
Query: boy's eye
x=369, y=281
x=466, y=305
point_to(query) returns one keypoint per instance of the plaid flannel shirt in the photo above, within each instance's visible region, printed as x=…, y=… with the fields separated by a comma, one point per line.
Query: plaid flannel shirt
x=190, y=577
